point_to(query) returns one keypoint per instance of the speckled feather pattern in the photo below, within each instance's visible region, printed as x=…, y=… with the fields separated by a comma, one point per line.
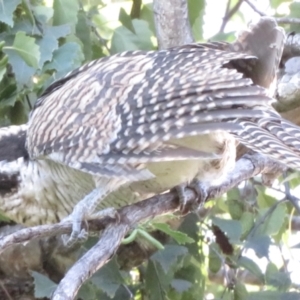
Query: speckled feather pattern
x=119, y=112
x=152, y=120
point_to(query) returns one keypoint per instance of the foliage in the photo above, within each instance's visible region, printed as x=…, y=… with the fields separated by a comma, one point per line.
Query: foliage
x=42, y=41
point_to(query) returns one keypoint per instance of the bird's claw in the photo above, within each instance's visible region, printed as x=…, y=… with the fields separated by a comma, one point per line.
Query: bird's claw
x=201, y=190
x=75, y=238
x=110, y=212
x=79, y=235
x=186, y=205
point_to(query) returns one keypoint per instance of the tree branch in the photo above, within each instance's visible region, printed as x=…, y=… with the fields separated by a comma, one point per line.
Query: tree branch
x=288, y=20
x=229, y=14
x=284, y=20
x=247, y=167
x=130, y=216
x=136, y=9
x=255, y=8
x=172, y=23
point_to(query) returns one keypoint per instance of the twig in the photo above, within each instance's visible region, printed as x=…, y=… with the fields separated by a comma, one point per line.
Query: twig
x=263, y=219
x=288, y=195
x=31, y=233
x=285, y=20
x=224, y=22
x=229, y=14
x=88, y=265
x=255, y=8
x=94, y=28
x=136, y=9
x=28, y=102
x=294, y=200
x=247, y=167
x=288, y=20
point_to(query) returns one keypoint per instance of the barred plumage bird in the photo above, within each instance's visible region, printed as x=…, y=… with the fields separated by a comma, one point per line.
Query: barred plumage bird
x=136, y=123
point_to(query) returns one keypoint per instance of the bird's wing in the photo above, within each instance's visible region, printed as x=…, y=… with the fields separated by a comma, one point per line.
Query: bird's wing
x=124, y=108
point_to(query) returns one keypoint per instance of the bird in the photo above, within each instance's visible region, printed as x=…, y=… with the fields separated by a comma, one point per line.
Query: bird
x=122, y=127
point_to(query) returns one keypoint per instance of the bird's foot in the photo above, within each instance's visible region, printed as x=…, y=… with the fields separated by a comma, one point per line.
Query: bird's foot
x=201, y=189
x=80, y=233
x=186, y=205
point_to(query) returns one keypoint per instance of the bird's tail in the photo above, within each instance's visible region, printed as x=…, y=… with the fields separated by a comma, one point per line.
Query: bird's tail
x=265, y=40
x=270, y=135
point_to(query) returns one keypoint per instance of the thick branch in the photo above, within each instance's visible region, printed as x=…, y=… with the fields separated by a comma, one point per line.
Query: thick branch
x=110, y=240
x=172, y=23
x=247, y=167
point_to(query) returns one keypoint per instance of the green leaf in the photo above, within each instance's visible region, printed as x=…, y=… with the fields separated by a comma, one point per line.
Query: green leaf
x=3, y=64
x=195, y=8
x=65, y=12
x=214, y=260
x=43, y=286
x=196, y=13
x=48, y=43
x=7, y=8
x=8, y=93
x=87, y=291
x=260, y=244
x=232, y=228
x=24, y=25
x=270, y=295
x=181, y=285
x=20, y=68
x=2, y=43
x=156, y=281
x=26, y=48
x=236, y=208
x=191, y=228
x=169, y=256
x=28, y=10
x=264, y=200
x=123, y=39
x=273, y=223
x=19, y=114
x=60, y=31
x=276, y=3
x=43, y=13
x=279, y=236
x=251, y=266
x=280, y=280
x=147, y=15
x=247, y=221
x=108, y=278
x=65, y=59
x=180, y=237
x=125, y=20
x=295, y=12
x=240, y=291
x=101, y=22
x=83, y=32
